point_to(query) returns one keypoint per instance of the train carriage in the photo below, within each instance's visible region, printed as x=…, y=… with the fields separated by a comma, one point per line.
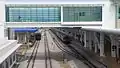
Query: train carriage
x=38, y=36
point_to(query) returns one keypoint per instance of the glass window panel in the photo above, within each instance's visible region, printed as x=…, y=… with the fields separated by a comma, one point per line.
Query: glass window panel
x=82, y=14
x=36, y=14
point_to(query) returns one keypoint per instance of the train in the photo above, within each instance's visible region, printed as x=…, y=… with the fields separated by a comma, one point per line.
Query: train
x=37, y=36
x=64, y=38
x=34, y=37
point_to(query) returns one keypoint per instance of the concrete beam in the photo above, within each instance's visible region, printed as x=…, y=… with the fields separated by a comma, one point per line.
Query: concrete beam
x=46, y=24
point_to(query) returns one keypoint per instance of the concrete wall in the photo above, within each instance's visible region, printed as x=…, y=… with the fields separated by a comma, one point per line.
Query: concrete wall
x=109, y=15
x=2, y=18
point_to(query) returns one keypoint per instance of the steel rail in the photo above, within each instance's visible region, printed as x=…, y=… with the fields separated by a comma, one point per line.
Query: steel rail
x=47, y=54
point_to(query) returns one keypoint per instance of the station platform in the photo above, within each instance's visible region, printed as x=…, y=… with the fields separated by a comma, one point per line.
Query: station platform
x=107, y=60
x=111, y=62
x=7, y=47
x=8, y=50
x=72, y=61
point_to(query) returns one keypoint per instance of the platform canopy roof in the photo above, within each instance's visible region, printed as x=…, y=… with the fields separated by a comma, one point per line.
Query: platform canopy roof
x=25, y=29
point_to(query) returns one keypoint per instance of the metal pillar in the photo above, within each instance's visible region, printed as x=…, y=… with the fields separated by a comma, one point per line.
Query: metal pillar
x=102, y=44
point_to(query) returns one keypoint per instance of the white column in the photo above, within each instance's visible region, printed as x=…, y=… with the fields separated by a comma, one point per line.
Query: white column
x=61, y=14
x=2, y=18
x=108, y=15
x=102, y=44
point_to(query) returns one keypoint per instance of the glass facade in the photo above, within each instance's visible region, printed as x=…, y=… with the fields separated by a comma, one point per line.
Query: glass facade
x=33, y=14
x=76, y=14
x=28, y=13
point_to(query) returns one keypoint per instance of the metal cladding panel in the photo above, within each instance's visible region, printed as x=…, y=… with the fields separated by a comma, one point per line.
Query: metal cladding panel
x=25, y=29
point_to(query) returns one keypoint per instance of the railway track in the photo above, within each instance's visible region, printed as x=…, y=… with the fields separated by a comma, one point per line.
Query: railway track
x=73, y=53
x=78, y=55
x=48, y=62
x=32, y=58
